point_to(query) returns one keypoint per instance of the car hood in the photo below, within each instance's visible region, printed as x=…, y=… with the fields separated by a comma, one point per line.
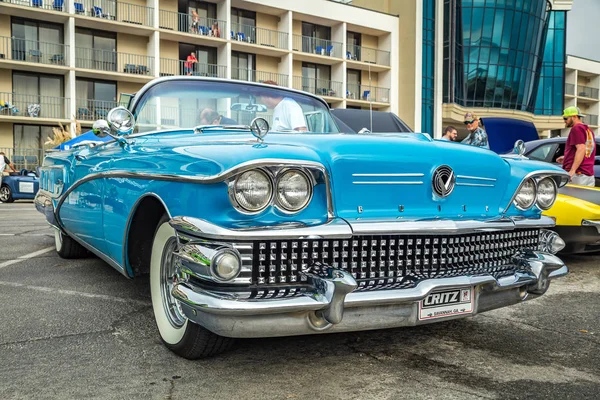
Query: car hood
x=371, y=175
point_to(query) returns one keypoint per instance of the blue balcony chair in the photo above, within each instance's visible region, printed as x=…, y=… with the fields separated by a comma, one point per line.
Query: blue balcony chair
x=101, y=113
x=142, y=69
x=130, y=68
x=366, y=95
x=241, y=36
x=97, y=12
x=348, y=55
x=58, y=59
x=35, y=55
x=58, y=5
x=233, y=35
x=79, y=8
x=319, y=49
x=204, y=30
x=37, y=3
x=83, y=113
x=329, y=50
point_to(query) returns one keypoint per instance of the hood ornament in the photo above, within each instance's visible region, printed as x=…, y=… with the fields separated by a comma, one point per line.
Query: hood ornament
x=260, y=128
x=443, y=181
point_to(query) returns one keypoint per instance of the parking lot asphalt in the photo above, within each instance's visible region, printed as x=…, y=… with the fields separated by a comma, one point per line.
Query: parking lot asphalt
x=77, y=329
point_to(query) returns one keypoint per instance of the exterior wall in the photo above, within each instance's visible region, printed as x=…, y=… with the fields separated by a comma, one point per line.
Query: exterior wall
x=132, y=44
x=267, y=21
x=297, y=68
x=169, y=49
x=377, y=5
x=5, y=25
x=128, y=87
x=6, y=135
x=267, y=64
x=364, y=79
x=369, y=41
x=138, y=3
x=5, y=81
x=297, y=27
x=168, y=5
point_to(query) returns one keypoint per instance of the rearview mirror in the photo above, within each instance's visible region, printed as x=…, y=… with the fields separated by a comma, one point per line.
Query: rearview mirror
x=248, y=107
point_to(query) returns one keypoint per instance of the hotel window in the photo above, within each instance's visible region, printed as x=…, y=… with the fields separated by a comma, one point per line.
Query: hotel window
x=316, y=78
x=95, y=49
x=315, y=37
x=39, y=95
x=353, y=82
x=95, y=98
x=36, y=41
x=243, y=66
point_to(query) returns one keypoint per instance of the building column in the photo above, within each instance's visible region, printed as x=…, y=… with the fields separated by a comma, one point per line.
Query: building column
x=154, y=52
x=70, y=81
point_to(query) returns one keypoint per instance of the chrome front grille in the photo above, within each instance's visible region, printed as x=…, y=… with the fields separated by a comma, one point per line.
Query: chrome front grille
x=391, y=261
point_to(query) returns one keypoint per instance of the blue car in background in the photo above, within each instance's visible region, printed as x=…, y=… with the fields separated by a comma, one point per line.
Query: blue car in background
x=283, y=223
x=21, y=185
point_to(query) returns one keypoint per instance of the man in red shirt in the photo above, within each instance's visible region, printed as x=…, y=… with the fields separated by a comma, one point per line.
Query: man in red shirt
x=580, y=149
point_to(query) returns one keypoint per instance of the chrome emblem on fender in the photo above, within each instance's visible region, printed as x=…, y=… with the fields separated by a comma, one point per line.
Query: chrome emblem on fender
x=443, y=181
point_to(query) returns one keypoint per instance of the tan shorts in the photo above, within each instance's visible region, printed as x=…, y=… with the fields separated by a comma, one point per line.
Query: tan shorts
x=583, y=180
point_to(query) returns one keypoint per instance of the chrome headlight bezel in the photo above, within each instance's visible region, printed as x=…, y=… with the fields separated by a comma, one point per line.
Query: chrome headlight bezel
x=528, y=205
x=548, y=205
x=233, y=192
x=309, y=184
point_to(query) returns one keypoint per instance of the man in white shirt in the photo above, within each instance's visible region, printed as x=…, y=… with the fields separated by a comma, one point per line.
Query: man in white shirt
x=5, y=162
x=287, y=114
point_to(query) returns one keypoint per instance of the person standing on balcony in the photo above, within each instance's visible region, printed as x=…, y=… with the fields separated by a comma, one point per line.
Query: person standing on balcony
x=580, y=149
x=4, y=163
x=188, y=66
x=195, y=21
x=215, y=31
x=477, y=135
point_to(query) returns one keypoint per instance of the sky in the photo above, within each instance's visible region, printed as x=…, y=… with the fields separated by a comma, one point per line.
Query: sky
x=583, y=29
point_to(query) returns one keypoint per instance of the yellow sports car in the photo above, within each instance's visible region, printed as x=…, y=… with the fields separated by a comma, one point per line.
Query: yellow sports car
x=577, y=214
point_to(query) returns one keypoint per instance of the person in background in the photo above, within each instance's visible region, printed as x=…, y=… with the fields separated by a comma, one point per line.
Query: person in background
x=195, y=21
x=215, y=31
x=208, y=116
x=450, y=134
x=188, y=66
x=5, y=163
x=580, y=149
x=477, y=135
x=287, y=113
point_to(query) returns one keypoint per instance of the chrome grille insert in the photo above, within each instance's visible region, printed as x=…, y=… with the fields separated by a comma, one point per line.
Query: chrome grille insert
x=391, y=261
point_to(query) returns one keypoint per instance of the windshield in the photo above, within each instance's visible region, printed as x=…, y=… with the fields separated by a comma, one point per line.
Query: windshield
x=189, y=103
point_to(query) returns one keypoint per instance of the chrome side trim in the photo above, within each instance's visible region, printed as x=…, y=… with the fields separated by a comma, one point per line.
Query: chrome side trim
x=389, y=183
x=474, y=184
x=272, y=162
x=342, y=229
x=388, y=175
x=475, y=178
x=536, y=174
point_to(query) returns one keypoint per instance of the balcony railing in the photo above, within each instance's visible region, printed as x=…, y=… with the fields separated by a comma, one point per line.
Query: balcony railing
x=170, y=67
x=33, y=106
x=307, y=44
x=54, y=5
x=368, y=55
x=181, y=22
x=259, y=76
x=260, y=36
x=33, y=51
x=368, y=93
x=24, y=157
x=570, y=89
x=115, y=11
x=112, y=61
x=586, y=91
x=592, y=119
x=91, y=110
x=321, y=87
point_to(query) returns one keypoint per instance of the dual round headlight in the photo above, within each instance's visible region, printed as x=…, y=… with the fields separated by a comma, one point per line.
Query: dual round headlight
x=252, y=191
x=543, y=193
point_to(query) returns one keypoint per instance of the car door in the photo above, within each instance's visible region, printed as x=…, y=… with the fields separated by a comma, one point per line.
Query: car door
x=81, y=213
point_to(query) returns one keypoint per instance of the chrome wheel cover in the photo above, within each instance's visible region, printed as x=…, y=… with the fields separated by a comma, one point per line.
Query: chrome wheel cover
x=169, y=275
x=4, y=193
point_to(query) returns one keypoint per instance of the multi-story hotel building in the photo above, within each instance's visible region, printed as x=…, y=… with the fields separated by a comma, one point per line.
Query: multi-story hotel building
x=67, y=61
x=582, y=89
x=495, y=57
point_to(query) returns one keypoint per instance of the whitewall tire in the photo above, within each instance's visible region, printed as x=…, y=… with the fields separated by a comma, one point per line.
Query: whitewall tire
x=183, y=337
x=68, y=248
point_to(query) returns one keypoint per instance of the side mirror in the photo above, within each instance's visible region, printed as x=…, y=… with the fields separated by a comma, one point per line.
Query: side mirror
x=248, y=107
x=519, y=147
x=121, y=121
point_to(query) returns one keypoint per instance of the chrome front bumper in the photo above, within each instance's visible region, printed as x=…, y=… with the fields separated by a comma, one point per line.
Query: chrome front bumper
x=331, y=304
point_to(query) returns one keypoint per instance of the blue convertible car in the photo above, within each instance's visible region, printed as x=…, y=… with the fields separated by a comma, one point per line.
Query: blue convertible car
x=21, y=185
x=277, y=223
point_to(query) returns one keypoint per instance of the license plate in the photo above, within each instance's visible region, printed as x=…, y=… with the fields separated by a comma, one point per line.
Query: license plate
x=26, y=187
x=447, y=303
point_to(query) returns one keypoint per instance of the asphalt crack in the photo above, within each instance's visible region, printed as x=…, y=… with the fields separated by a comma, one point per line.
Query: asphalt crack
x=68, y=335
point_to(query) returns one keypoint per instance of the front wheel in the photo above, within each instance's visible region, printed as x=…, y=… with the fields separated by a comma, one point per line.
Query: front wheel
x=6, y=194
x=179, y=334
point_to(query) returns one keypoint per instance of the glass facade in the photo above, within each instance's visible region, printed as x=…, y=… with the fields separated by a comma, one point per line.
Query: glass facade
x=428, y=88
x=493, y=52
x=550, y=99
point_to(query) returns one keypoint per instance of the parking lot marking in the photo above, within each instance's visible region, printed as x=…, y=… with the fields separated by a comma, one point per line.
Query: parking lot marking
x=26, y=234
x=26, y=257
x=76, y=293
x=18, y=209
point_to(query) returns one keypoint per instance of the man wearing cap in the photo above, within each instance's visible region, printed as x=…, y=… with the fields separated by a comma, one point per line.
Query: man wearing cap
x=477, y=135
x=580, y=149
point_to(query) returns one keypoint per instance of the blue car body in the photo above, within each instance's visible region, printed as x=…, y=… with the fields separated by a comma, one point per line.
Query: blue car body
x=109, y=198
x=23, y=186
